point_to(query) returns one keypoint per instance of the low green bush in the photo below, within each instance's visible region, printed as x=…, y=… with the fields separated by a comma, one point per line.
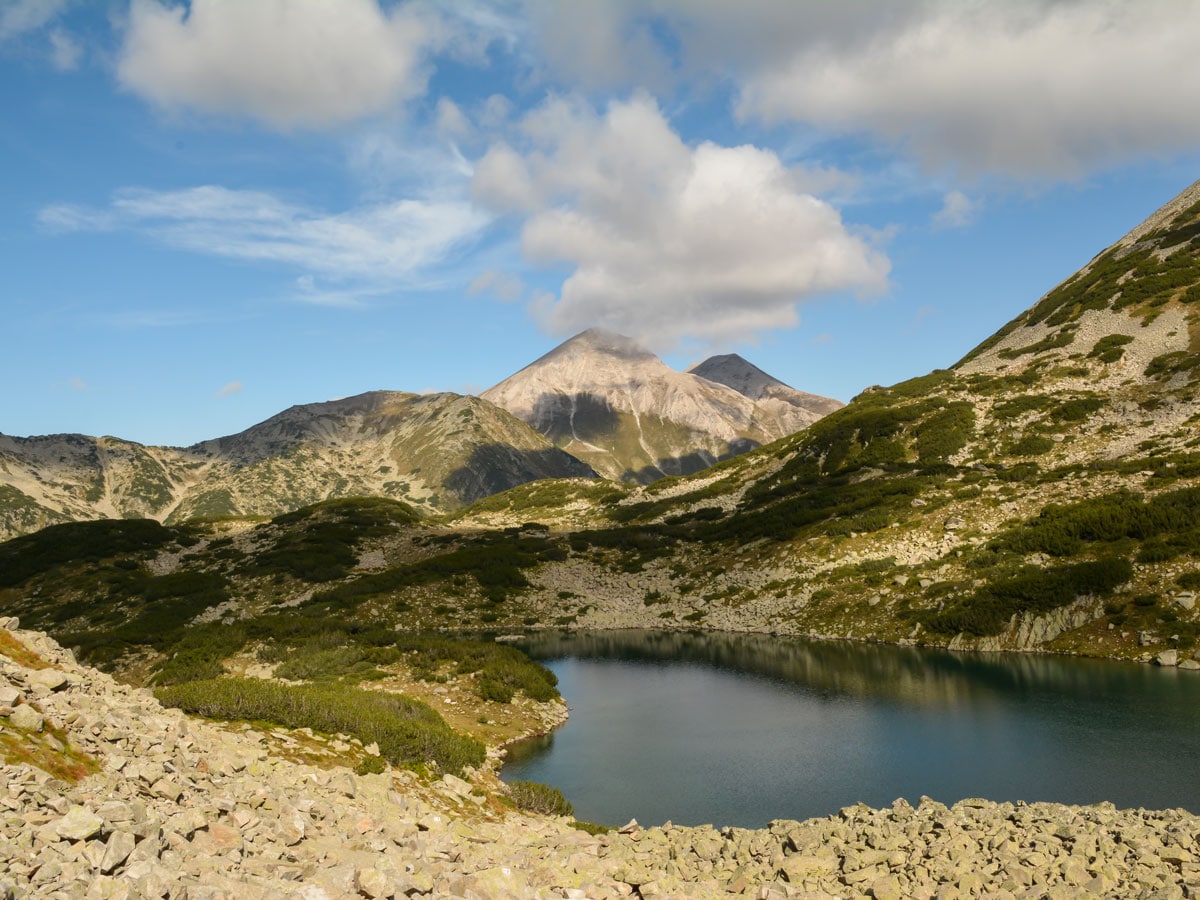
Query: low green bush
x=409, y=733
x=541, y=799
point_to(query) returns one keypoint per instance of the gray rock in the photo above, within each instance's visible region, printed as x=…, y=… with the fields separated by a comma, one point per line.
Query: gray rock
x=27, y=718
x=79, y=824
x=47, y=680
x=9, y=695
x=116, y=851
x=1168, y=658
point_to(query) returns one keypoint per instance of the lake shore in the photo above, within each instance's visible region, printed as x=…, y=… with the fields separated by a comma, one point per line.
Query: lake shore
x=176, y=806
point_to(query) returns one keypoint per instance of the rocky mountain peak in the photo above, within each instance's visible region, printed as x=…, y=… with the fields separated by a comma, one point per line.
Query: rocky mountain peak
x=605, y=399
x=743, y=376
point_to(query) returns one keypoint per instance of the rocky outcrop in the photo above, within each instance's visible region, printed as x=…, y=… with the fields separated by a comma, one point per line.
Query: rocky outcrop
x=177, y=807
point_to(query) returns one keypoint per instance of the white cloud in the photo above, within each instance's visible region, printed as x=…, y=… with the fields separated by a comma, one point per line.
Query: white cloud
x=230, y=390
x=958, y=211
x=1019, y=88
x=451, y=122
x=384, y=242
x=668, y=241
x=20, y=16
x=77, y=384
x=502, y=285
x=1036, y=88
x=289, y=63
x=64, y=51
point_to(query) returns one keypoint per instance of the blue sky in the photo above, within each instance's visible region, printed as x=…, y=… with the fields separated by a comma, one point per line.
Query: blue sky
x=215, y=210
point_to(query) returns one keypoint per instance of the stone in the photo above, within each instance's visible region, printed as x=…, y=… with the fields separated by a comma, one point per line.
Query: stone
x=116, y=851
x=27, y=718
x=1186, y=600
x=372, y=883
x=47, y=680
x=9, y=695
x=1168, y=658
x=79, y=824
x=1190, y=664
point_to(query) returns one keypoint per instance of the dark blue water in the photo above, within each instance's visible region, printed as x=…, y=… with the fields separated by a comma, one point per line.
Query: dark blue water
x=743, y=729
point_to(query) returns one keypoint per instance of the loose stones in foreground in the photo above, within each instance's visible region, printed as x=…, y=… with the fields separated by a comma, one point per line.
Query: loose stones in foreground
x=184, y=809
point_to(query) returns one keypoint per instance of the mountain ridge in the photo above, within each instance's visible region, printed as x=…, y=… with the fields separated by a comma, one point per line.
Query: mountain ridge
x=437, y=451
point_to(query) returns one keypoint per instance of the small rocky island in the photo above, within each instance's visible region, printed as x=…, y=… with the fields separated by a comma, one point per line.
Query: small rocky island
x=108, y=794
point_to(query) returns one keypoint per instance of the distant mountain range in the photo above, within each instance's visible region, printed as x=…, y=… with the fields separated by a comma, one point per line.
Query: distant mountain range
x=437, y=451
x=604, y=405
x=608, y=401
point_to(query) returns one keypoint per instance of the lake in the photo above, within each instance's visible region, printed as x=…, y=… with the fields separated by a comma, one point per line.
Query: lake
x=743, y=729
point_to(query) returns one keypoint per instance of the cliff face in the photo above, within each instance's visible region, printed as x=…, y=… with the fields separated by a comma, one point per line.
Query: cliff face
x=606, y=400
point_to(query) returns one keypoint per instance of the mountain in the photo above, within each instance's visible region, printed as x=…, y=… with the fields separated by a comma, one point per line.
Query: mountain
x=751, y=381
x=1043, y=494
x=438, y=452
x=608, y=401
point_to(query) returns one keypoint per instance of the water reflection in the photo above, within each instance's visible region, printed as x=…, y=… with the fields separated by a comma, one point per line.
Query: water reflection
x=738, y=729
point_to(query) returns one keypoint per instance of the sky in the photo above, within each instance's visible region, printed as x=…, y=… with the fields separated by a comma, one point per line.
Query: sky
x=218, y=209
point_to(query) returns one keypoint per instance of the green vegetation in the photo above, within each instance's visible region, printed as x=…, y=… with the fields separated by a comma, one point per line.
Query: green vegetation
x=1032, y=589
x=324, y=548
x=540, y=799
x=1110, y=348
x=1110, y=519
x=1031, y=445
x=494, y=560
x=409, y=733
x=80, y=542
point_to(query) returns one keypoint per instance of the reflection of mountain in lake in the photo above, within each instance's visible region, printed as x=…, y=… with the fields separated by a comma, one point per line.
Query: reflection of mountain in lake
x=918, y=677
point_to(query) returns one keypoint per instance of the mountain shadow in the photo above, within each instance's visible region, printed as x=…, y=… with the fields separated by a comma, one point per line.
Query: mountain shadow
x=493, y=468
x=583, y=416
x=687, y=464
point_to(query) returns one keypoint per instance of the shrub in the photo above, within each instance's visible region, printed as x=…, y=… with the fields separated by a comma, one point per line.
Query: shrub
x=542, y=799
x=1032, y=589
x=408, y=732
x=1031, y=445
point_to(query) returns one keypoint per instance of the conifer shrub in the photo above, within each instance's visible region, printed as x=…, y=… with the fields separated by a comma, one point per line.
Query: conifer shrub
x=409, y=733
x=542, y=799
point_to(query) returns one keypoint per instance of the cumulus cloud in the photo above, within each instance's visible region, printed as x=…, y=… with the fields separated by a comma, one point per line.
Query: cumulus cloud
x=388, y=241
x=667, y=240
x=77, y=384
x=958, y=211
x=1019, y=88
x=230, y=390
x=1036, y=88
x=289, y=63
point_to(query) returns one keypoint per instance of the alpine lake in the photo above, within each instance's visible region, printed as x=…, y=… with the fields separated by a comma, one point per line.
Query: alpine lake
x=742, y=729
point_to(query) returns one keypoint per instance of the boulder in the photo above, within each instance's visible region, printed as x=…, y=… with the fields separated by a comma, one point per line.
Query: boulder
x=1168, y=658
x=27, y=718
x=79, y=824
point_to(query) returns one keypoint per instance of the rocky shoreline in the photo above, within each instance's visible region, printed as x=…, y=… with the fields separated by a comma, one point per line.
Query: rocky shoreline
x=182, y=808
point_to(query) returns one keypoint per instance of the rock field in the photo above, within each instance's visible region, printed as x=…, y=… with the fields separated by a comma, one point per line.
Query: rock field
x=183, y=808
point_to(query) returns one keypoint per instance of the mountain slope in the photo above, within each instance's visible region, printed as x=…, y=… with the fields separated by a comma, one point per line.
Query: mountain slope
x=606, y=400
x=1045, y=492
x=437, y=451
